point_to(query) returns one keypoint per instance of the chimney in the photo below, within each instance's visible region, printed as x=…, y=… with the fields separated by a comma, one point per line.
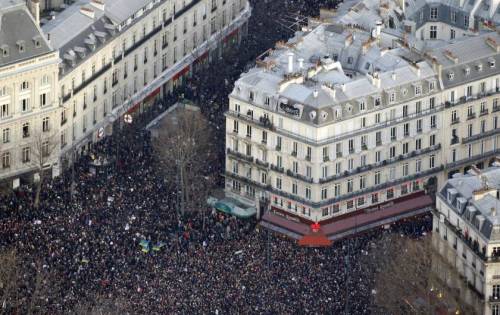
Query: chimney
x=315, y=93
x=48, y=37
x=374, y=79
x=301, y=63
x=343, y=87
x=290, y=62
x=35, y=10
x=393, y=76
x=493, y=211
x=378, y=28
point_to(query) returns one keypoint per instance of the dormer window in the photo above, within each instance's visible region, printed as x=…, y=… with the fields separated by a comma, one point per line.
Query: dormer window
x=479, y=67
x=451, y=76
x=376, y=102
x=432, y=85
x=467, y=71
x=20, y=45
x=491, y=63
x=392, y=97
x=251, y=96
x=404, y=91
x=362, y=106
x=5, y=50
x=267, y=101
x=418, y=90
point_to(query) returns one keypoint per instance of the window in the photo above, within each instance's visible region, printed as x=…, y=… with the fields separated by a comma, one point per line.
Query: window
x=393, y=133
x=324, y=193
x=263, y=178
x=431, y=161
x=26, y=130
x=4, y=110
x=6, y=135
x=324, y=171
x=405, y=147
x=235, y=126
x=26, y=155
x=279, y=161
x=418, y=166
x=432, y=103
x=24, y=86
x=362, y=182
x=45, y=124
x=390, y=193
x=433, y=32
x=418, y=90
x=392, y=152
x=278, y=182
x=377, y=178
x=405, y=169
x=378, y=156
x=349, y=186
x=452, y=34
x=495, y=292
x=295, y=167
x=249, y=131
x=6, y=160
x=418, y=144
x=25, y=104
x=495, y=309
x=405, y=111
x=294, y=188
x=336, y=190
x=406, y=129
x=433, y=121
x=432, y=140
x=434, y=13
x=308, y=192
x=338, y=168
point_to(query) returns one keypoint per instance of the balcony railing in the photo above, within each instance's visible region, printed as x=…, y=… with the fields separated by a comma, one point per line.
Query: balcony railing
x=383, y=163
x=484, y=112
x=277, y=169
x=473, y=159
x=241, y=156
x=471, y=116
x=455, y=120
x=262, y=121
x=482, y=135
x=299, y=177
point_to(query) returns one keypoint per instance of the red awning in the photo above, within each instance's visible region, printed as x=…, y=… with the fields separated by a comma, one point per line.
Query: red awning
x=133, y=108
x=315, y=240
x=181, y=73
x=152, y=94
x=202, y=57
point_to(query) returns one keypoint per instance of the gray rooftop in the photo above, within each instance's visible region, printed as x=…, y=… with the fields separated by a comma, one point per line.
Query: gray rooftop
x=459, y=194
x=20, y=37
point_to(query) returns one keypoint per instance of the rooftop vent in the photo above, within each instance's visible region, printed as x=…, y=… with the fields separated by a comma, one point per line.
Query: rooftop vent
x=89, y=12
x=450, y=55
x=493, y=44
x=290, y=62
x=452, y=193
x=98, y=4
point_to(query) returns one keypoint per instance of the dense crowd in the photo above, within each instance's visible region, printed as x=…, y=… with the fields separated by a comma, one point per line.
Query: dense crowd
x=85, y=242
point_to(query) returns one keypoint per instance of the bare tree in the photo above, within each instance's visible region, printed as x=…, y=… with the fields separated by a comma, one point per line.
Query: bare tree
x=44, y=148
x=102, y=305
x=185, y=149
x=404, y=281
x=9, y=274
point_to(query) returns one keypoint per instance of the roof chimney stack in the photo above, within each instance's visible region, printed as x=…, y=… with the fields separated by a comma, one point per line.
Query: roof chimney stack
x=290, y=62
x=35, y=10
x=301, y=63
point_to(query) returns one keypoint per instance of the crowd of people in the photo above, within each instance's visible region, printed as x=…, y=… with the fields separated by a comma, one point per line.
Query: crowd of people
x=84, y=240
